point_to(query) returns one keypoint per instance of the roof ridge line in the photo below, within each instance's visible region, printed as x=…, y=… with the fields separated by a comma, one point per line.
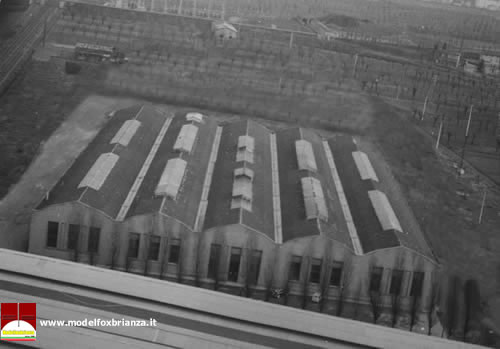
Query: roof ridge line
x=202, y=208
x=142, y=172
x=351, y=227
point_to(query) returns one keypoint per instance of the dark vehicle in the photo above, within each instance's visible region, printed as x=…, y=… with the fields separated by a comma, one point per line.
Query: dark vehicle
x=99, y=53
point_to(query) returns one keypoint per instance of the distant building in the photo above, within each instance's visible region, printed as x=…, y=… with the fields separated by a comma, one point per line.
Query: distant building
x=284, y=216
x=491, y=64
x=488, y=4
x=324, y=32
x=224, y=30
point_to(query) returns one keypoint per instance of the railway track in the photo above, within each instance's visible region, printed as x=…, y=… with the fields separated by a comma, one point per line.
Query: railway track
x=16, y=52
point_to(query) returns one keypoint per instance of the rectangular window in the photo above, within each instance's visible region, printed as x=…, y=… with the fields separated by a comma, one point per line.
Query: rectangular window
x=174, y=251
x=52, y=230
x=376, y=279
x=396, y=281
x=94, y=234
x=315, y=275
x=133, y=245
x=154, y=248
x=255, y=261
x=73, y=233
x=213, y=262
x=234, y=264
x=295, y=267
x=417, y=283
x=336, y=274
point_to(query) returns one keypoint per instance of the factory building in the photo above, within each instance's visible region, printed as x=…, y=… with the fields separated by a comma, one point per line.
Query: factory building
x=279, y=215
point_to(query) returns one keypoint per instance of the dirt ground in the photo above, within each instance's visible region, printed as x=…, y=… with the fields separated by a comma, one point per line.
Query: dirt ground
x=447, y=206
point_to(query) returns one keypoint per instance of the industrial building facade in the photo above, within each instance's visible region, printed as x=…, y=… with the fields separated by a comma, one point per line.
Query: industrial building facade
x=284, y=216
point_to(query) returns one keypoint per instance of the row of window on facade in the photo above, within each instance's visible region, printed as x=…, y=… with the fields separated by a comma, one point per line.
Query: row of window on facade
x=233, y=271
x=73, y=237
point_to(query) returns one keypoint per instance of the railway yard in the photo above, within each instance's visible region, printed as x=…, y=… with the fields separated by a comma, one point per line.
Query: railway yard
x=283, y=77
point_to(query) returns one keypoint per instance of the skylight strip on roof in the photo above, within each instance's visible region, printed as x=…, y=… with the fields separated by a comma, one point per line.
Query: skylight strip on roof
x=244, y=155
x=314, y=200
x=384, y=211
x=364, y=166
x=196, y=117
x=98, y=173
x=305, y=155
x=244, y=171
x=126, y=132
x=171, y=178
x=242, y=187
x=186, y=138
x=246, y=142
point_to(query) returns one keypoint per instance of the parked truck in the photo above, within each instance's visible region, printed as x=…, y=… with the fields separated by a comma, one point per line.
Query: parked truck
x=99, y=53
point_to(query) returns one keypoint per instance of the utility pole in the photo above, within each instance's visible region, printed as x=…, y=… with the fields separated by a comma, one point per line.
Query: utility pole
x=179, y=9
x=465, y=140
x=482, y=206
x=439, y=133
x=429, y=94
x=355, y=63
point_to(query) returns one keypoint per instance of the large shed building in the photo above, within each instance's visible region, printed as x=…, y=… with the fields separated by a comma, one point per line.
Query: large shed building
x=284, y=216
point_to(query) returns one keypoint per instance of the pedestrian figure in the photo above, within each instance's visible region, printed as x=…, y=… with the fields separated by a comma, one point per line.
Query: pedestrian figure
x=449, y=137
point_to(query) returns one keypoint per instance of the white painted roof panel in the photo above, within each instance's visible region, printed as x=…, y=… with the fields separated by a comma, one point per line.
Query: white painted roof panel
x=187, y=136
x=246, y=142
x=305, y=156
x=244, y=172
x=242, y=186
x=197, y=117
x=171, y=178
x=98, y=173
x=384, y=211
x=314, y=199
x=126, y=132
x=364, y=166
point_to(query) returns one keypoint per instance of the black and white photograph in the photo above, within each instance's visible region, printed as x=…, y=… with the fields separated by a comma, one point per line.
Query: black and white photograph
x=289, y=174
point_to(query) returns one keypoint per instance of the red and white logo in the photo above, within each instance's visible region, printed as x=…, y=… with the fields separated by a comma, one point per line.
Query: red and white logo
x=18, y=322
